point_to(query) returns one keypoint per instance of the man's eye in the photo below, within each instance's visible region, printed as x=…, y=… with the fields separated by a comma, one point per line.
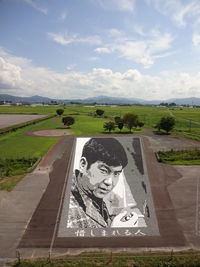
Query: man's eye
x=104, y=171
x=117, y=173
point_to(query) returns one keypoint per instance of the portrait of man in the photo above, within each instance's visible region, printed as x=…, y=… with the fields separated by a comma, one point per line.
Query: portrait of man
x=107, y=190
x=101, y=164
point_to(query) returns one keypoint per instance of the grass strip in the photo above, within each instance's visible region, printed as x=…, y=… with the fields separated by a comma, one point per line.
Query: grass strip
x=12, y=171
x=180, y=157
x=116, y=260
x=11, y=167
x=8, y=183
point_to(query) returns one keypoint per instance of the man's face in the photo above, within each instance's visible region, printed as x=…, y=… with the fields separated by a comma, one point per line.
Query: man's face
x=100, y=178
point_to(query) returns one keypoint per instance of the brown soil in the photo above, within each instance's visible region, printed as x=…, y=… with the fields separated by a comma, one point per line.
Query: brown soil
x=50, y=133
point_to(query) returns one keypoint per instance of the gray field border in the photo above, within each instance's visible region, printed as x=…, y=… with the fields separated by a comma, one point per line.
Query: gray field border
x=24, y=124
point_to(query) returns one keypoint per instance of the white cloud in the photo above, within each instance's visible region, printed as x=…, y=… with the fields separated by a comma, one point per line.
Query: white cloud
x=102, y=50
x=139, y=30
x=93, y=59
x=144, y=50
x=33, y=4
x=25, y=79
x=133, y=75
x=181, y=12
x=121, y=5
x=63, y=16
x=196, y=40
x=184, y=13
x=70, y=67
x=66, y=39
x=116, y=34
x=10, y=74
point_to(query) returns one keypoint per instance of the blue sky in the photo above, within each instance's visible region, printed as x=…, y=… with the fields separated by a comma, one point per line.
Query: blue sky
x=69, y=49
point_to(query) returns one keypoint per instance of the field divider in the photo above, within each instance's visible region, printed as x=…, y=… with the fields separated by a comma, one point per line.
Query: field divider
x=24, y=124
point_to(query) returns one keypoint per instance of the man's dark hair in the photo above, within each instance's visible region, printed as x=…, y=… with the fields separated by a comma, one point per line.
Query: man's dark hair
x=107, y=150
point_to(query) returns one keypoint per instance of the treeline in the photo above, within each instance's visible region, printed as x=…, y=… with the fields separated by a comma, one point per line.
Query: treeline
x=129, y=120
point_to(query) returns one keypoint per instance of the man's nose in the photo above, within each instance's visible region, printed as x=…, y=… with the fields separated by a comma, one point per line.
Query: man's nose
x=109, y=180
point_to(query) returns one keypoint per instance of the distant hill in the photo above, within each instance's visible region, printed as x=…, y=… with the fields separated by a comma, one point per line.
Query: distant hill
x=131, y=101
x=185, y=101
x=100, y=100
x=110, y=100
x=31, y=99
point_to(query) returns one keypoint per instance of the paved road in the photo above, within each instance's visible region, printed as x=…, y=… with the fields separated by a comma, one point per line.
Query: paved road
x=18, y=206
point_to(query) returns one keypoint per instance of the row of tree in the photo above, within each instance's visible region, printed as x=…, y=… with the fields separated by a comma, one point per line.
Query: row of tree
x=129, y=120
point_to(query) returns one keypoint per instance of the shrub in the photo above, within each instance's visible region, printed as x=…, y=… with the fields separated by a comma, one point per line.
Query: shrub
x=99, y=112
x=68, y=121
x=10, y=167
x=60, y=111
x=166, y=124
x=109, y=126
x=190, y=156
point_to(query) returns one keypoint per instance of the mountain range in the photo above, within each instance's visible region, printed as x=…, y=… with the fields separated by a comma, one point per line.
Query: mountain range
x=100, y=100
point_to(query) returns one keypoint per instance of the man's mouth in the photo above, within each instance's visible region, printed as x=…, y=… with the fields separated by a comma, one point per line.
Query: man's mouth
x=104, y=190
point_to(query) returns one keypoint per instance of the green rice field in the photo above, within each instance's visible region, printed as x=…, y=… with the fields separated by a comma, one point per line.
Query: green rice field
x=186, y=118
x=18, y=144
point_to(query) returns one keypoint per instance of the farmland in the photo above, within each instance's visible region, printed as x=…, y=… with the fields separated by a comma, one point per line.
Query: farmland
x=187, y=119
x=18, y=144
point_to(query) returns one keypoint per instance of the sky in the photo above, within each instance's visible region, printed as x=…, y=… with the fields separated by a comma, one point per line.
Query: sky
x=69, y=49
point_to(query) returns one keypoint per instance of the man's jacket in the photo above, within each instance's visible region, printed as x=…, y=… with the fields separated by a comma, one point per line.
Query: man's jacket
x=85, y=212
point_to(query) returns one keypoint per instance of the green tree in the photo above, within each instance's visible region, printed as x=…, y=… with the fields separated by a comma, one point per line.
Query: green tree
x=120, y=125
x=109, y=126
x=140, y=124
x=130, y=120
x=119, y=122
x=166, y=123
x=60, y=111
x=68, y=121
x=157, y=126
x=99, y=112
x=117, y=119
